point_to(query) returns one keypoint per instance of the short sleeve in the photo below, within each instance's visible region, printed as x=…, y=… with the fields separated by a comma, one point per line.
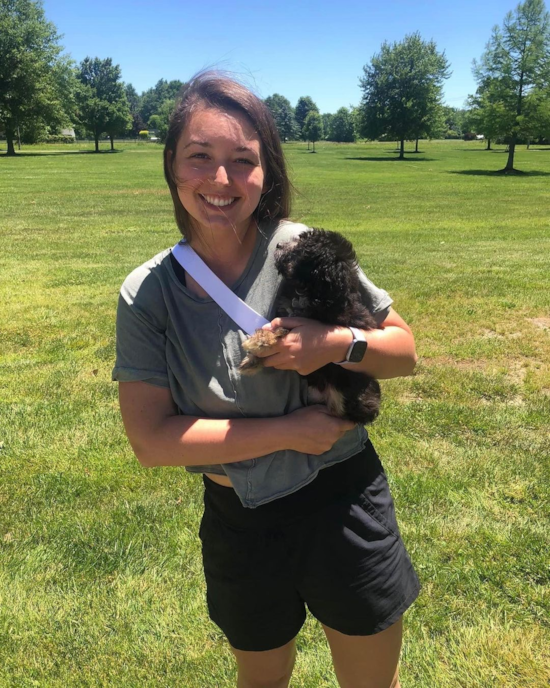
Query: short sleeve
x=141, y=331
x=378, y=300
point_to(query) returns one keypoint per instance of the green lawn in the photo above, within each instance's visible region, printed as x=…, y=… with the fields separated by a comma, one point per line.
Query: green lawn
x=100, y=574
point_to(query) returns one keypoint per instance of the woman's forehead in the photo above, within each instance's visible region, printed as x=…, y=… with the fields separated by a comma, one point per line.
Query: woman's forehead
x=213, y=123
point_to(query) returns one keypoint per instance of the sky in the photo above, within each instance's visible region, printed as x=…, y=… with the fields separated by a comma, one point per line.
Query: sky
x=289, y=47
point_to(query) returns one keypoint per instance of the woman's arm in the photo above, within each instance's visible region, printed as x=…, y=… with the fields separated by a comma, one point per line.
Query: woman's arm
x=311, y=345
x=161, y=437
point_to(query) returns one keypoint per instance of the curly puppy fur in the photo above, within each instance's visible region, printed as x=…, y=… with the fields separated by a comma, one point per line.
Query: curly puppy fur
x=320, y=281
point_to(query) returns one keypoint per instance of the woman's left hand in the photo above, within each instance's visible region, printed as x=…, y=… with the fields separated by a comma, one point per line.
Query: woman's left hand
x=308, y=346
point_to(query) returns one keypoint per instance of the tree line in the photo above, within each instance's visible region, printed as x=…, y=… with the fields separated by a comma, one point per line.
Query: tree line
x=42, y=91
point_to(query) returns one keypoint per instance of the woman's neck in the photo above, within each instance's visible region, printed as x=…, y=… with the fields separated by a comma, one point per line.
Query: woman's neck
x=226, y=255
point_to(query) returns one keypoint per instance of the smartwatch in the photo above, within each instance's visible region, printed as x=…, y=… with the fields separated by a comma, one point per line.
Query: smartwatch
x=357, y=348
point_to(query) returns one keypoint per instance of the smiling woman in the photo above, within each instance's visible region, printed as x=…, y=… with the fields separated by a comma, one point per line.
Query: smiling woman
x=297, y=505
x=219, y=172
x=238, y=111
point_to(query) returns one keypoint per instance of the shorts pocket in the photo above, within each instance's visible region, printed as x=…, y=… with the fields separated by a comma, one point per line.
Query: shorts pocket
x=376, y=500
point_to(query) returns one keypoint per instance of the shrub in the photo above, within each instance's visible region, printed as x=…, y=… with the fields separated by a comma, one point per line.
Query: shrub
x=58, y=138
x=144, y=134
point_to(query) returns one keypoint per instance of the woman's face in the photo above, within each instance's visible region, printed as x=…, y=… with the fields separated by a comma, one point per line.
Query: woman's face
x=219, y=171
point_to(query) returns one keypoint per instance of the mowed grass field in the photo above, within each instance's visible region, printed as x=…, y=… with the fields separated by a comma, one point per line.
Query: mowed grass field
x=100, y=572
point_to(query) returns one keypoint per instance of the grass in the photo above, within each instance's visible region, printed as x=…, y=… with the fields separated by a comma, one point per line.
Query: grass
x=100, y=575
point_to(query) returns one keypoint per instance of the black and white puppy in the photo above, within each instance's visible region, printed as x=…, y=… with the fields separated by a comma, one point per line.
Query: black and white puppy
x=321, y=282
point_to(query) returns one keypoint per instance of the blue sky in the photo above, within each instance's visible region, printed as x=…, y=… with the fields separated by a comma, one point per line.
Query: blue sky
x=293, y=48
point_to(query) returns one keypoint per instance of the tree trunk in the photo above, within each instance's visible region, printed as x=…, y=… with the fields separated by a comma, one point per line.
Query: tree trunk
x=308, y=145
x=416, y=148
x=528, y=144
x=96, y=137
x=9, y=139
x=402, y=149
x=488, y=145
x=512, y=147
x=511, y=150
x=112, y=143
x=314, y=146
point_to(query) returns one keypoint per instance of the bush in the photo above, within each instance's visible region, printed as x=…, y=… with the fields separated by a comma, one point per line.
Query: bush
x=452, y=134
x=144, y=134
x=58, y=138
x=469, y=136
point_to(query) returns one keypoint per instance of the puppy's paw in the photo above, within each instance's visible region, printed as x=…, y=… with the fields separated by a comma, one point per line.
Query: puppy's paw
x=259, y=342
x=250, y=365
x=263, y=339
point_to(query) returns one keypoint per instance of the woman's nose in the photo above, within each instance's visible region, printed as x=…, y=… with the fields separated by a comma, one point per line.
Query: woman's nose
x=221, y=176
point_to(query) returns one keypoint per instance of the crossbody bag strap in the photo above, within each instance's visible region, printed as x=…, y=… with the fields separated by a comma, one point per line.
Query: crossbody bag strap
x=245, y=317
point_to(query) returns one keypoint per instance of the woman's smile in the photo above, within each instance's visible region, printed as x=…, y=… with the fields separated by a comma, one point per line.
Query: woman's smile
x=218, y=201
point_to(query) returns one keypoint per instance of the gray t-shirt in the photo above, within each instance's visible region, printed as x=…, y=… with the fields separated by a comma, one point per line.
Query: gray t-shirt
x=169, y=337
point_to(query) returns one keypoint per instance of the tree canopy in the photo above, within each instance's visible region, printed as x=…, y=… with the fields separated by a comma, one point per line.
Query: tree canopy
x=36, y=81
x=341, y=127
x=513, y=77
x=283, y=114
x=153, y=99
x=402, y=90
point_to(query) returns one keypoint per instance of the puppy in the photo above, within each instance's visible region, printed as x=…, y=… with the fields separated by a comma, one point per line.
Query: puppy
x=320, y=281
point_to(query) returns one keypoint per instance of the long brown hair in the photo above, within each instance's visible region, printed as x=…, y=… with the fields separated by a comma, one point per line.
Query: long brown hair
x=212, y=89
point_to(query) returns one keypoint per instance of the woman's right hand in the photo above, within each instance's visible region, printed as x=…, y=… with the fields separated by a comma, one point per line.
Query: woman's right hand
x=314, y=430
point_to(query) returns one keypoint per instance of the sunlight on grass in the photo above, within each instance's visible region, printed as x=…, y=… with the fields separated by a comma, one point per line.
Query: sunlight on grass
x=100, y=573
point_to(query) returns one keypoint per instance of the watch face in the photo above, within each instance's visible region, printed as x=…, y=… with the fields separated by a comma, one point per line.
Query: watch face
x=358, y=351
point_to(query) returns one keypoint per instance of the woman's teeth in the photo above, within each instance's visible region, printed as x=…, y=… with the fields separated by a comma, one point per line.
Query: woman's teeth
x=213, y=200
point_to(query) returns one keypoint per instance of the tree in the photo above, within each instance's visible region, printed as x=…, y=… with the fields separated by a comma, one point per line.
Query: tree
x=402, y=90
x=101, y=99
x=488, y=116
x=134, y=101
x=119, y=120
x=36, y=81
x=161, y=121
x=326, y=118
x=303, y=107
x=453, y=121
x=283, y=114
x=153, y=98
x=341, y=126
x=313, y=127
x=514, y=71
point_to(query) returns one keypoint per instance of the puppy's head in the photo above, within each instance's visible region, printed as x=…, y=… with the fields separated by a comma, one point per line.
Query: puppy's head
x=319, y=263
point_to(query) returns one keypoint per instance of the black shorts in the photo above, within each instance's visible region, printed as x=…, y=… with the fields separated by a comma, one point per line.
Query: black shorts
x=333, y=545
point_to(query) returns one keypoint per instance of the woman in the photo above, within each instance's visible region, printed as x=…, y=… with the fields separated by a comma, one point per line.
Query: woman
x=297, y=506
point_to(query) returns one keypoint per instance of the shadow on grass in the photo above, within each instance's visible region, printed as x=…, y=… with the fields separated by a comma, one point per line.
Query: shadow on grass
x=499, y=150
x=481, y=150
x=396, y=159
x=500, y=173
x=40, y=155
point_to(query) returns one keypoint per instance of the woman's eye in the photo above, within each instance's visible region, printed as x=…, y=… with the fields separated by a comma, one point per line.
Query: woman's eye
x=200, y=156
x=246, y=161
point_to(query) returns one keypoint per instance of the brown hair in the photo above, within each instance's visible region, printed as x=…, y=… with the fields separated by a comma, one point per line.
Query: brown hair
x=212, y=89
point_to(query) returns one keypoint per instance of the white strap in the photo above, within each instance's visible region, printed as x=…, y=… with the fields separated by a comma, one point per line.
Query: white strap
x=245, y=317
